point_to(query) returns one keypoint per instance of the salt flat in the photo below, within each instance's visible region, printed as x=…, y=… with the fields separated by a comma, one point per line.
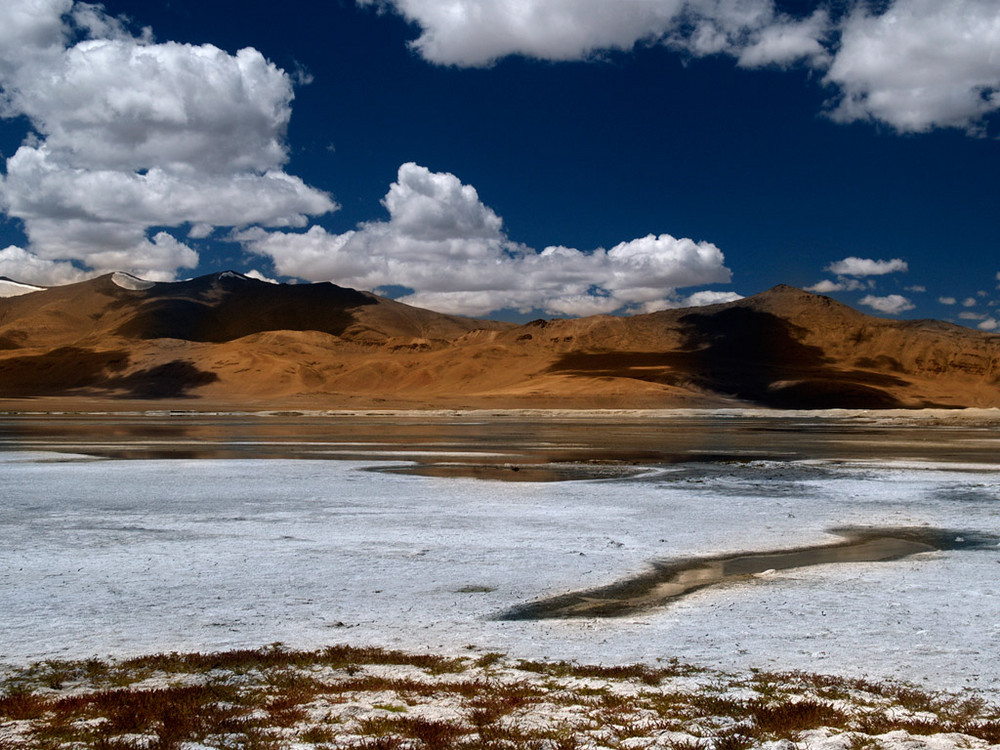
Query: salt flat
x=106, y=556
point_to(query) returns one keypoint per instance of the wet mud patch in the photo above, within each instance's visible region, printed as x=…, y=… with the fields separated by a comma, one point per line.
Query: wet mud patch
x=766, y=478
x=510, y=472
x=671, y=579
x=972, y=493
x=563, y=466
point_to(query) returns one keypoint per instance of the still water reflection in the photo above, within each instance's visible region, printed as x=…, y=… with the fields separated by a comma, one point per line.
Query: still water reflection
x=669, y=580
x=521, y=446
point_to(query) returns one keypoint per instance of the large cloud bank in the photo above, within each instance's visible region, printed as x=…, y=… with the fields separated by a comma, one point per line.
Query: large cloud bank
x=441, y=240
x=914, y=64
x=141, y=149
x=134, y=137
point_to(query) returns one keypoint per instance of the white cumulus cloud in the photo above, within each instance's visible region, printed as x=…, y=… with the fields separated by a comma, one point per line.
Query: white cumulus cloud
x=854, y=266
x=919, y=64
x=892, y=304
x=914, y=64
x=131, y=135
x=28, y=31
x=446, y=245
x=479, y=32
x=20, y=265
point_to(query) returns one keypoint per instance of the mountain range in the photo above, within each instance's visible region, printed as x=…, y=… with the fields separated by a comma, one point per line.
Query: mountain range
x=233, y=340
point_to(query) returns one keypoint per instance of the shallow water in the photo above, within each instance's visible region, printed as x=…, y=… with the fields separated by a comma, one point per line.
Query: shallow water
x=666, y=581
x=124, y=535
x=515, y=438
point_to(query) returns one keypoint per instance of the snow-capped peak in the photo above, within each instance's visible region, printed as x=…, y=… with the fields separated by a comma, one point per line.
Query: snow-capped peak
x=11, y=288
x=130, y=282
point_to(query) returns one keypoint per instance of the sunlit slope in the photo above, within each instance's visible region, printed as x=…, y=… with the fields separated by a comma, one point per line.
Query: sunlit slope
x=226, y=337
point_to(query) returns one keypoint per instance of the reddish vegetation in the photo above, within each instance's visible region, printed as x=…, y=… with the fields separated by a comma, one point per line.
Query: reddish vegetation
x=344, y=697
x=229, y=339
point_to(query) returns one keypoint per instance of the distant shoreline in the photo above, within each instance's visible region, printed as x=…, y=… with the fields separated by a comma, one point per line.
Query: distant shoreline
x=83, y=406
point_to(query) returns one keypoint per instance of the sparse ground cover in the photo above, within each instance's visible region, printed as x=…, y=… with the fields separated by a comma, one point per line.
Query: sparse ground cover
x=348, y=697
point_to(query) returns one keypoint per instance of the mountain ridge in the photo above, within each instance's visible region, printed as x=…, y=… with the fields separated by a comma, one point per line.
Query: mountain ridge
x=228, y=337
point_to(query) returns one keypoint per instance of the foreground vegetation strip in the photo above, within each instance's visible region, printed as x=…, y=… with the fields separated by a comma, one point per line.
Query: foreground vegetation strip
x=349, y=697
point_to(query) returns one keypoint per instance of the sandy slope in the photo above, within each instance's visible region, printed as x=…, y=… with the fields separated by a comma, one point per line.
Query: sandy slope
x=229, y=339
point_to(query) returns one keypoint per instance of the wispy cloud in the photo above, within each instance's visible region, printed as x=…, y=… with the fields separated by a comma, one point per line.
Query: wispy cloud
x=826, y=286
x=892, y=304
x=853, y=266
x=853, y=275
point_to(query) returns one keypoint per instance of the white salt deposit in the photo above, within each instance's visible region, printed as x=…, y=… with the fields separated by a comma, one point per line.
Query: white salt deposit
x=108, y=557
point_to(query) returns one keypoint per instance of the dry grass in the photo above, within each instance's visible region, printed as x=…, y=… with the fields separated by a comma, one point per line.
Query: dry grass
x=648, y=675
x=788, y=717
x=346, y=697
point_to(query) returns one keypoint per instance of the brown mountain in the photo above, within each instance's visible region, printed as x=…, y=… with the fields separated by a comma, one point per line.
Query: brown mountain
x=226, y=338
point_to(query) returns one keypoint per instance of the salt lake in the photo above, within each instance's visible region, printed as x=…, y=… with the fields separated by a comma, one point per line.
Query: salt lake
x=134, y=533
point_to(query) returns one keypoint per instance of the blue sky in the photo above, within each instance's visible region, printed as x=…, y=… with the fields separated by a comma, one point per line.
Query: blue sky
x=487, y=157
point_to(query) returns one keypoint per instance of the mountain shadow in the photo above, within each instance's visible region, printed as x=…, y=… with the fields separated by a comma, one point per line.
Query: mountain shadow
x=224, y=307
x=759, y=357
x=58, y=372
x=747, y=354
x=73, y=370
x=170, y=380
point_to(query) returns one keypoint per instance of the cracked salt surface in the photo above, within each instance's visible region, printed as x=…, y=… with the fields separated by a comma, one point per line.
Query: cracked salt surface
x=117, y=557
